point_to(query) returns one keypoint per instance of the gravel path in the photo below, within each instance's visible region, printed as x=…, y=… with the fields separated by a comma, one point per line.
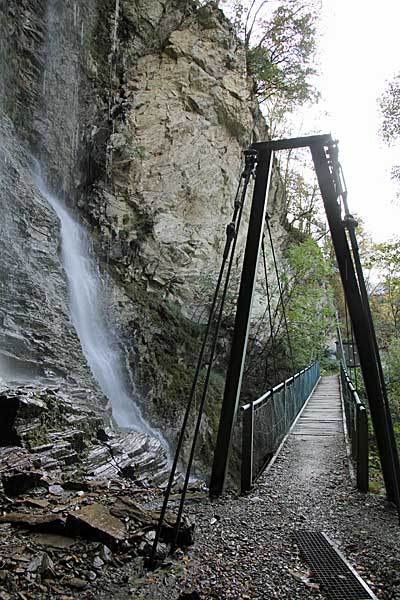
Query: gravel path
x=244, y=544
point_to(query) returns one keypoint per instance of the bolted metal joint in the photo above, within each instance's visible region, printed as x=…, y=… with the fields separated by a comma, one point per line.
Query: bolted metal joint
x=333, y=152
x=250, y=157
x=230, y=235
x=230, y=231
x=349, y=222
x=237, y=204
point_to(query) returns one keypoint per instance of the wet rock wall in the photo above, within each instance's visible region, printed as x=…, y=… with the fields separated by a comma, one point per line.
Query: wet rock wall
x=140, y=112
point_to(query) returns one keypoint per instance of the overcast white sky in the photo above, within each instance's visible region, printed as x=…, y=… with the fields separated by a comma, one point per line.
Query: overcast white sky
x=359, y=52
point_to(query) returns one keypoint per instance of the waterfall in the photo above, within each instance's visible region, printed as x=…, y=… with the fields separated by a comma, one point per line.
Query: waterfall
x=98, y=340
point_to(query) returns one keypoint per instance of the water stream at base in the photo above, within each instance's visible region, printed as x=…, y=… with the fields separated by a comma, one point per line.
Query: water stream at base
x=96, y=336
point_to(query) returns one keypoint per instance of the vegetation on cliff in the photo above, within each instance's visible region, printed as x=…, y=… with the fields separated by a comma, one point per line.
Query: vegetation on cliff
x=280, y=47
x=389, y=103
x=381, y=263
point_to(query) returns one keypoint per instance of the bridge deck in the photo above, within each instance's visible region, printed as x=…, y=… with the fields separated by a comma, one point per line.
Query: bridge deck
x=317, y=435
x=323, y=414
x=246, y=545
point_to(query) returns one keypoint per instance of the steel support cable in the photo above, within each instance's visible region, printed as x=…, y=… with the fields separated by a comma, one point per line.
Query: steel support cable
x=209, y=369
x=339, y=333
x=341, y=191
x=259, y=325
x=271, y=324
x=350, y=223
x=280, y=292
x=272, y=320
x=250, y=157
x=276, y=328
x=350, y=341
x=253, y=355
x=193, y=387
x=353, y=352
x=346, y=316
x=253, y=351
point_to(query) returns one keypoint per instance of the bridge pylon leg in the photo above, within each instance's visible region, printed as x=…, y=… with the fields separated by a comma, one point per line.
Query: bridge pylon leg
x=363, y=328
x=233, y=382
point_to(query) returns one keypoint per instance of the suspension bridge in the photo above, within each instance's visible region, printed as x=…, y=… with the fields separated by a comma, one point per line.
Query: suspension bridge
x=311, y=409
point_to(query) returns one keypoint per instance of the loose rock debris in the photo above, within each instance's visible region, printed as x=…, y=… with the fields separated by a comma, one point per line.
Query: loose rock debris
x=53, y=545
x=74, y=512
x=84, y=531
x=72, y=530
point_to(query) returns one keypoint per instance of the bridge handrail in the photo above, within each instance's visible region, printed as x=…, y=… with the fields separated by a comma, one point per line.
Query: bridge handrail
x=357, y=428
x=298, y=386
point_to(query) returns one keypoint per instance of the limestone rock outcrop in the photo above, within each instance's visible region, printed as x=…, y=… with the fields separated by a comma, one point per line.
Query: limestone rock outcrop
x=139, y=113
x=175, y=157
x=34, y=306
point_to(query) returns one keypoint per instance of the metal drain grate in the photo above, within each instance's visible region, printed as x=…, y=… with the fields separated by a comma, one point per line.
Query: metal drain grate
x=337, y=578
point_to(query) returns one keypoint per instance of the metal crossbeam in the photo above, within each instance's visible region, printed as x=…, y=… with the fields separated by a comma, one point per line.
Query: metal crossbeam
x=291, y=143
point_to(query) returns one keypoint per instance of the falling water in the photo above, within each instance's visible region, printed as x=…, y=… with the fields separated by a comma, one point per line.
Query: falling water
x=97, y=340
x=115, y=31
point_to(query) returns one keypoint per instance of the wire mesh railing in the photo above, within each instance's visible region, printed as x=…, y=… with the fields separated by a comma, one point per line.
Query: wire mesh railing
x=357, y=429
x=266, y=421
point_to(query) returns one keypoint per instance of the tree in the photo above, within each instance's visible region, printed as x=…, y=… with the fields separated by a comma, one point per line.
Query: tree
x=389, y=104
x=287, y=338
x=279, y=40
x=392, y=368
x=303, y=208
x=280, y=46
x=311, y=311
x=385, y=258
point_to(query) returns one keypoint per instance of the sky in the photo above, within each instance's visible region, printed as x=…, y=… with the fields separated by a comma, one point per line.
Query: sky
x=359, y=53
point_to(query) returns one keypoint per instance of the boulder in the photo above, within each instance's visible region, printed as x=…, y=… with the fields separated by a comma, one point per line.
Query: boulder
x=97, y=523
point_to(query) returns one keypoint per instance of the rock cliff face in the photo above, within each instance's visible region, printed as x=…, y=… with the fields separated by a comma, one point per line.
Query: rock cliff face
x=38, y=118
x=35, y=324
x=175, y=156
x=139, y=113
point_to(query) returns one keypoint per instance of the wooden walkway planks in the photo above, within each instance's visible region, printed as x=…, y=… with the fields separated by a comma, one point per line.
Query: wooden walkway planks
x=323, y=414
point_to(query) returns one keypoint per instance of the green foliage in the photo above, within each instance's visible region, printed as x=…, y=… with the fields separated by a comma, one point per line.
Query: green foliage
x=280, y=46
x=389, y=104
x=280, y=43
x=310, y=315
x=281, y=60
x=392, y=368
x=385, y=259
x=385, y=303
x=376, y=482
x=307, y=296
x=384, y=262
x=311, y=312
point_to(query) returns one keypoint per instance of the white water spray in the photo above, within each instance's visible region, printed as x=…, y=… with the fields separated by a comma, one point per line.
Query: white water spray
x=97, y=340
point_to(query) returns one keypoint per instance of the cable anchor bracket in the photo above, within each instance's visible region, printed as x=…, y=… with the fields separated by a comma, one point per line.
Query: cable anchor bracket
x=250, y=157
x=230, y=236
x=349, y=222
